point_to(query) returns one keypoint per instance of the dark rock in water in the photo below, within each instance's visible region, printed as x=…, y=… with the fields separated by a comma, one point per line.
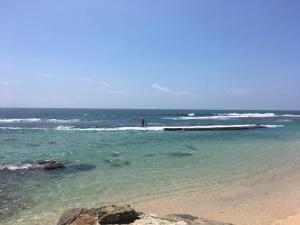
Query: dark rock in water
x=127, y=163
x=192, y=147
x=52, y=142
x=117, y=162
x=180, y=154
x=82, y=167
x=33, y=145
x=73, y=168
x=116, y=215
x=51, y=164
x=120, y=163
x=9, y=139
x=107, y=160
x=115, y=154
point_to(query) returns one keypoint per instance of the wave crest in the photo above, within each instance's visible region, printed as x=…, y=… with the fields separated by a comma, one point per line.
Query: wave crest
x=36, y=120
x=225, y=116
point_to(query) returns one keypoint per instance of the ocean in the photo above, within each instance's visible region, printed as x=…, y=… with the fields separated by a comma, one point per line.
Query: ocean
x=110, y=158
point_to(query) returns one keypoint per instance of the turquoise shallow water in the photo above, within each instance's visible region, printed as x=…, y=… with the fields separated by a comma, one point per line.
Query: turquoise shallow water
x=129, y=164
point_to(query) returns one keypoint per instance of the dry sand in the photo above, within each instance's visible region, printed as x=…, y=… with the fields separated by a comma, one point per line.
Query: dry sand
x=271, y=201
x=291, y=220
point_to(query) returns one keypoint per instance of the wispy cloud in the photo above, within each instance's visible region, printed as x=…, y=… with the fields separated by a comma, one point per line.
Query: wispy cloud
x=103, y=86
x=239, y=91
x=8, y=82
x=170, y=91
x=99, y=84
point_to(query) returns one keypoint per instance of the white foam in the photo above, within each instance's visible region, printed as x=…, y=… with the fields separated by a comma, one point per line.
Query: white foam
x=20, y=120
x=162, y=128
x=224, y=116
x=64, y=127
x=22, y=128
x=111, y=129
x=20, y=167
x=35, y=120
x=62, y=121
x=291, y=115
x=191, y=114
x=273, y=126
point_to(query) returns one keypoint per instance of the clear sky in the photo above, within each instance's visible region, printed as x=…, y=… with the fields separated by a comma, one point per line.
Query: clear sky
x=218, y=54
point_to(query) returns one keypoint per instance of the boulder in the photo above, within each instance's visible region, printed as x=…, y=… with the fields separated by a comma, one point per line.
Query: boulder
x=79, y=216
x=127, y=215
x=116, y=215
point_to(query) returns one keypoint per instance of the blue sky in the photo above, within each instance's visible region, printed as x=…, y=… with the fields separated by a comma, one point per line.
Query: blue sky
x=231, y=54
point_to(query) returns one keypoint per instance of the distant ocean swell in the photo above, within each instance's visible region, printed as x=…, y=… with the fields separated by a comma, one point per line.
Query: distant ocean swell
x=189, y=116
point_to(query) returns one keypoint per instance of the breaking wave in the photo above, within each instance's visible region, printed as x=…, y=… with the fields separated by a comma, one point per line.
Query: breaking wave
x=224, y=116
x=163, y=128
x=35, y=120
x=150, y=128
x=25, y=120
x=22, y=128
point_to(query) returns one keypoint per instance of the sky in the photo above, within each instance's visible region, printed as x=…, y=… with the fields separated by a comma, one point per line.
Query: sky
x=196, y=54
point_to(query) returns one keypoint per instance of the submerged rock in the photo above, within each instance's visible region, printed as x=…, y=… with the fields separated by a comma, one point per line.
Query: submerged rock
x=81, y=167
x=117, y=162
x=180, y=154
x=192, y=147
x=127, y=215
x=33, y=145
x=115, y=154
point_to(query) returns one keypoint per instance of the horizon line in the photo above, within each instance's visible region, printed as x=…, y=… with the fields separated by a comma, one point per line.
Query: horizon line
x=115, y=108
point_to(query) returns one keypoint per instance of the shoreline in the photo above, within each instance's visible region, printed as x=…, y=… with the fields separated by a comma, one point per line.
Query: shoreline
x=271, y=198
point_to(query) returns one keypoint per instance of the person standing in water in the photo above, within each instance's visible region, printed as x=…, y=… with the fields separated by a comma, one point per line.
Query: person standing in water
x=143, y=122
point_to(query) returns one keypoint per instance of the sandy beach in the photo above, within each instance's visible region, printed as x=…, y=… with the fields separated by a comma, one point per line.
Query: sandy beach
x=291, y=220
x=273, y=201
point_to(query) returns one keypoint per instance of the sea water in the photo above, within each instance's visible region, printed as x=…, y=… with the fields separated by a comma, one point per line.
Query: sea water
x=110, y=158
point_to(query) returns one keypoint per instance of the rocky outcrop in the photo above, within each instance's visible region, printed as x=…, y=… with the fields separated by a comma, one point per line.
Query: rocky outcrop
x=127, y=215
x=103, y=215
x=116, y=215
x=51, y=164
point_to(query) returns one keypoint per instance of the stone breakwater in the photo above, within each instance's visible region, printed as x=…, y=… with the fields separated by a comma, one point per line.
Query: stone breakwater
x=127, y=215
